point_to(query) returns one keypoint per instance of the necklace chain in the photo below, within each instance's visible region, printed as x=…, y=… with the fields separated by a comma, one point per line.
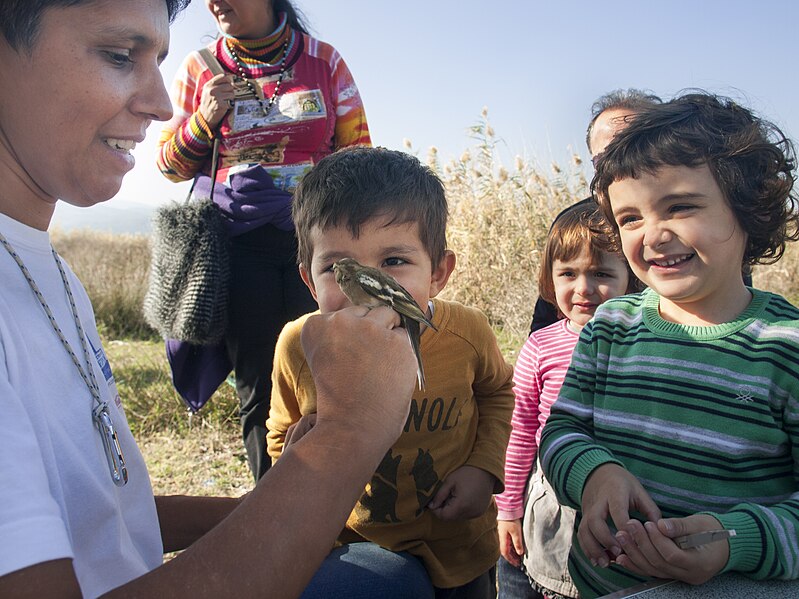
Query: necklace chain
x=100, y=415
x=251, y=86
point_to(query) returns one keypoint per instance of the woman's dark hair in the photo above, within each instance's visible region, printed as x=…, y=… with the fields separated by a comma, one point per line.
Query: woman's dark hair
x=294, y=17
x=19, y=19
x=752, y=161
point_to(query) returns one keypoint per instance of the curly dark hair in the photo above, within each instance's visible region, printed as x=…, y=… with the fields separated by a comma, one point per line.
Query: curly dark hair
x=19, y=19
x=752, y=161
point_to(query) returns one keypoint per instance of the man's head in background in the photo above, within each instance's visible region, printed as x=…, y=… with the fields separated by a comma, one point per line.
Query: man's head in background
x=611, y=112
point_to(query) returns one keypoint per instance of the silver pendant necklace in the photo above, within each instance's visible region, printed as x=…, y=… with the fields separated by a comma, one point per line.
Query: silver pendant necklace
x=100, y=415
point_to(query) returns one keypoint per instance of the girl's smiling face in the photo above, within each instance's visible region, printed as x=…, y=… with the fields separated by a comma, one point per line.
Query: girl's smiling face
x=581, y=284
x=682, y=239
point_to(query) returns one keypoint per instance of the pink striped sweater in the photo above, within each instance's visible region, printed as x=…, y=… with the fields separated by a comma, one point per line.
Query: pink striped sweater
x=537, y=378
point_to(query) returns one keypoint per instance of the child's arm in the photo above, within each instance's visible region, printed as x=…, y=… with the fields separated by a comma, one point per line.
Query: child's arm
x=522, y=448
x=766, y=543
x=764, y=546
x=284, y=409
x=585, y=475
x=493, y=392
x=466, y=492
x=521, y=452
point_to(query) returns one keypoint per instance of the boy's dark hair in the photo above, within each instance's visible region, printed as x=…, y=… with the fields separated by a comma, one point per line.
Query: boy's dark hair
x=355, y=185
x=751, y=160
x=630, y=99
x=579, y=227
x=19, y=19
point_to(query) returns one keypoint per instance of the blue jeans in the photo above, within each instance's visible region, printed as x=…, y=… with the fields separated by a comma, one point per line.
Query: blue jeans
x=513, y=582
x=366, y=571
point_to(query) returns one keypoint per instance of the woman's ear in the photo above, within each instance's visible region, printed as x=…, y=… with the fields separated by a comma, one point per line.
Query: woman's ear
x=308, y=280
x=441, y=273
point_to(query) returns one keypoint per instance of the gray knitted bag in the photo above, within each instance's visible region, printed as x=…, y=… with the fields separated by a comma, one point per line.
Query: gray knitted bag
x=189, y=285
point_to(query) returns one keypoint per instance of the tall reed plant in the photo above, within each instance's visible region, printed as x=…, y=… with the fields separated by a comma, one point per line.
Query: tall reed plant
x=499, y=219
x=114, y=270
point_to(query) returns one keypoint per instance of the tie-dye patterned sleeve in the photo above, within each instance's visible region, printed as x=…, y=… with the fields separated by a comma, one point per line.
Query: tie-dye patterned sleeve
x=351, y=126
x=186, y=139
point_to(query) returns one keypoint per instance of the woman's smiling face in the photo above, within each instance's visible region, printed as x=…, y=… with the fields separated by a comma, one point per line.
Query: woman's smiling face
x=78, y=101
x=245, y=19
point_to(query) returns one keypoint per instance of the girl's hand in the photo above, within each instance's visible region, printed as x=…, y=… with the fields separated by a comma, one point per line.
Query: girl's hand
x=650, y=551
x=216, y=99
x=511, y=541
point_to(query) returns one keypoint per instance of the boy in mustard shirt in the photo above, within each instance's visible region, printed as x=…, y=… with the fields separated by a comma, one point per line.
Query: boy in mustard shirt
x=432, y=494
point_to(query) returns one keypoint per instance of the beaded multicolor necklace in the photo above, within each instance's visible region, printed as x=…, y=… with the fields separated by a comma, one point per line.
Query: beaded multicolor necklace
x=250, y=85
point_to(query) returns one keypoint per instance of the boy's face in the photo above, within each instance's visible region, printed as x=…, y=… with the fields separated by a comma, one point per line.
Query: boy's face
x=395, y=249
x=682, y=239
x=581, y=285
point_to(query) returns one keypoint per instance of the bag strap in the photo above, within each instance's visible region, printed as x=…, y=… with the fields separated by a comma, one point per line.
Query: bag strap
x=216, y=69
x=211, y=61
x=214, y=169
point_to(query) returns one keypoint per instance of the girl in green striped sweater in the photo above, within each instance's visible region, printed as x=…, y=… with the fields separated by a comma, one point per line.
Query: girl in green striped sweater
x=680, y=411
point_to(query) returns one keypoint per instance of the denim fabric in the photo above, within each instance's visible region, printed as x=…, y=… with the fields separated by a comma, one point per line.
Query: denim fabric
x=513, y=582
x=366, y=571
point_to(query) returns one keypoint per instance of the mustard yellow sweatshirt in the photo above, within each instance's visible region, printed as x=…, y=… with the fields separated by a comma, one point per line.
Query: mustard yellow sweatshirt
x=461, y=418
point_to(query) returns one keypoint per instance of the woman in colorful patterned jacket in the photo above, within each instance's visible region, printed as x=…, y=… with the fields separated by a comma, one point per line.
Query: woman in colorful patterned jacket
x=282, y=101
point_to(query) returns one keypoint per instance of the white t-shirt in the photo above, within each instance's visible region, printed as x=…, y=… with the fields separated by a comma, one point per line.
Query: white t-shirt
x=57, y=498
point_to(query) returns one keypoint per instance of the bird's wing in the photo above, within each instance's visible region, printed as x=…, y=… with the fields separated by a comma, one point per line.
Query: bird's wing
x=399, y=298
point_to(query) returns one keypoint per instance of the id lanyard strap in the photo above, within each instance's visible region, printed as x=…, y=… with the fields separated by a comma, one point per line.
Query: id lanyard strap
x=100, y=415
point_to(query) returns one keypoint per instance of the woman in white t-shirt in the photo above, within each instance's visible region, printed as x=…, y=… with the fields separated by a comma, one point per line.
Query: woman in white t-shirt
x=79, y=84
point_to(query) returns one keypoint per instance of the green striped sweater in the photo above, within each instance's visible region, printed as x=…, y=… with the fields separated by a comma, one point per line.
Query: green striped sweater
x=705, y=417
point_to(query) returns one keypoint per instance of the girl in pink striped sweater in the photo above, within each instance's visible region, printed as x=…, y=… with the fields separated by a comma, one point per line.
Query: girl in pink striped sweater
x=581, y=268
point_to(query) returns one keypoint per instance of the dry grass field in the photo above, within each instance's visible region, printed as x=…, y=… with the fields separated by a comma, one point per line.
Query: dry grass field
x=499, y=216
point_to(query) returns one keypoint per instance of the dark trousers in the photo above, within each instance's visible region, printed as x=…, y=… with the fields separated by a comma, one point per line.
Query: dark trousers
x=266, y=293
x=482, y=587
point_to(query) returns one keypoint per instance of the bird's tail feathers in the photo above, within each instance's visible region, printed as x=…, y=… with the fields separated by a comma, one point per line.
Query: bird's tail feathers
x=414, y=335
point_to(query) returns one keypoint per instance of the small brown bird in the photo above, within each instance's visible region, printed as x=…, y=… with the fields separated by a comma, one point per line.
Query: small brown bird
x=366, y=286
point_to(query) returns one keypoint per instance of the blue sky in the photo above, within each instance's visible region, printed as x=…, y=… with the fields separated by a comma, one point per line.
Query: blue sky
x=426, y=68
